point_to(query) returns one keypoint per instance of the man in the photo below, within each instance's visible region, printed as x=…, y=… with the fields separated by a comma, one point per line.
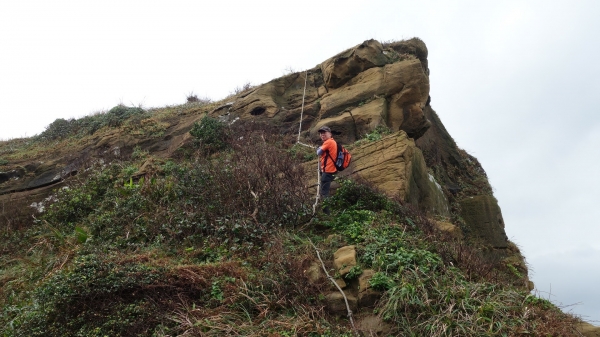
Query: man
x=327, y=154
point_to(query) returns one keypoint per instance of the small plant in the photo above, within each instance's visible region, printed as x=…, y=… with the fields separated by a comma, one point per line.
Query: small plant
x=193, y=98
x=380, y=281
x=379, y=132
x=3, y=162
x=514, y=270
x=216, y=292
x=353, y=273
x=303, y=153
x=238, y=90
x=138, y=153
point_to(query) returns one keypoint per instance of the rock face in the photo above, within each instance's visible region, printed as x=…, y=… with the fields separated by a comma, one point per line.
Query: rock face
x=344, y=66
x=339, y=93
x=484, y=219
x=396, y=166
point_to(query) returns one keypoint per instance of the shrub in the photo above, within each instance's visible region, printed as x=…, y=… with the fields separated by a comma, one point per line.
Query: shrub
x=359, y=195
x=63, y=128
x=210, y=134
x=59, y=129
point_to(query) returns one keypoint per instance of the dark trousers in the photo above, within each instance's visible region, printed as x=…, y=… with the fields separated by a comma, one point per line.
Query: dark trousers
x=326, y=179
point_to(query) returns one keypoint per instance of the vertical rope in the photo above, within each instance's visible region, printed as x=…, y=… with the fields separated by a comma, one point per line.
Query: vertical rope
x=299, y=142
x=318, y=188
x=302, y=110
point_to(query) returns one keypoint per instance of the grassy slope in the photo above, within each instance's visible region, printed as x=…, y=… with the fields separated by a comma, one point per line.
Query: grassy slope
x=215, y=243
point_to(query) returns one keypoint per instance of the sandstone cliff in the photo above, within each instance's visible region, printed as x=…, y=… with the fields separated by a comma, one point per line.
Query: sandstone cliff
x=376, y=99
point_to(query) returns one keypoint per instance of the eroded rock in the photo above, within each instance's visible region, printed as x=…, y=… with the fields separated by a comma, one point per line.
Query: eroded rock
x=335, y=303
x=449, y=228
x=396, y=166
x=344, y=259
x=367, y=296
x=483, y=218
x=344, y=66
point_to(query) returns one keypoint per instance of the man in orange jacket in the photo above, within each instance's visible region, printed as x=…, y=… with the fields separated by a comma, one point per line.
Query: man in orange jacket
x=327, y=154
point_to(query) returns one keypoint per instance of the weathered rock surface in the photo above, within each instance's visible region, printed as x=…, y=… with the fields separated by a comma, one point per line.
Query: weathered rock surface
x=336, y=304
x=372, y=325
x=337, y=90
x=367, y=296
x=483, y=219
x=449, y=228
x=356, y=122
x=344, y=66
x=396, y=166
x=344, y=259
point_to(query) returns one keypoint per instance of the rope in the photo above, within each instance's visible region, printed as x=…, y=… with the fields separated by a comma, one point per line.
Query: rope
x=302, y=110
x=312, y=147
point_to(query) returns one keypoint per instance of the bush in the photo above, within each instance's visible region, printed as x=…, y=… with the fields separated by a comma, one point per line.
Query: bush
x=88, y=125
x=210, y=134
x=59, y=129
x=360, y=196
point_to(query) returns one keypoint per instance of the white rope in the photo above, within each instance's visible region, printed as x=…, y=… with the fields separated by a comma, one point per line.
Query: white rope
x=312, y=147
x=302, y=110
x=318, y=188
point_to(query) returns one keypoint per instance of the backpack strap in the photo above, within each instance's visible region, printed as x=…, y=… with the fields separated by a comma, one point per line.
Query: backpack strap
x=337, y=148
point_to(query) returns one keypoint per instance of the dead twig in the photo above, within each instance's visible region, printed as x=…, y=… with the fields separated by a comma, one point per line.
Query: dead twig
x=338, y=287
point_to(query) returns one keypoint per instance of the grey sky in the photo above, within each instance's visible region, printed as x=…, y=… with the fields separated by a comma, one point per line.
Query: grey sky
x=514, y=83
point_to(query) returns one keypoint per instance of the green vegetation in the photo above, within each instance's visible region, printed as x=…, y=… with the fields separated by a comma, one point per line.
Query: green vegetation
x=379, y=132
x=216, y=244
x=210, y=134
x=62, y=128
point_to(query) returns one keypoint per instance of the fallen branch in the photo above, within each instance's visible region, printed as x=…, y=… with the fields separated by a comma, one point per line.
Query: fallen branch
x=338, y=287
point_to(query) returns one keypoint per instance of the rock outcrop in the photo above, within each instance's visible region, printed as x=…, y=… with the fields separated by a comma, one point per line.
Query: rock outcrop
x=395, y=166
x=483, y=219
x=339, y=93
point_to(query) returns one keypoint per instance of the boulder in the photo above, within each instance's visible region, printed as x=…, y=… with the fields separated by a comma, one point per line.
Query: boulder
x=342, y=67
x=314, y=272
x=335, y=304
x=367, y=296
x=341, y=283
x=344, y=259
x=483, y=219
x=6, y=176
x=372, y=325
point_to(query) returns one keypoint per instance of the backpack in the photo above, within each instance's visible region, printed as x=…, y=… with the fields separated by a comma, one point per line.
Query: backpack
x=343, y=157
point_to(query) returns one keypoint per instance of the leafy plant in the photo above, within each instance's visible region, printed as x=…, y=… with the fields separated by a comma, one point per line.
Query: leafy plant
x=380, y=281
x=210, y=134
x=354, y=272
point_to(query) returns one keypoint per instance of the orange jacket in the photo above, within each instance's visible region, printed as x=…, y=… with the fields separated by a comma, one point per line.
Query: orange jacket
x=327, y=161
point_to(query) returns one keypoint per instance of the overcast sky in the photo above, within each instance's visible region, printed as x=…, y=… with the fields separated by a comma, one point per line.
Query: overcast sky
x=516, y=83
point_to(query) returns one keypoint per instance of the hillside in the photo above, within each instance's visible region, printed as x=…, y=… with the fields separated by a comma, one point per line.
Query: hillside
x=198, y=219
